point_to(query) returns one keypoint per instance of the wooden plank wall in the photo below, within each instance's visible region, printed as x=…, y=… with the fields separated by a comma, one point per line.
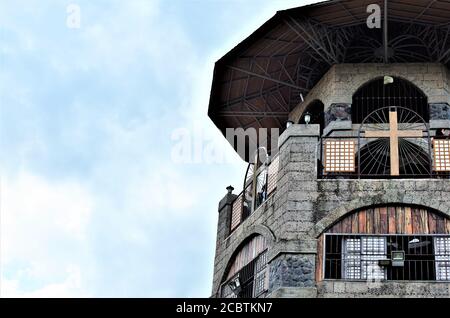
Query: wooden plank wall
x=393, y=220
x=246, y=254
x=319, y=258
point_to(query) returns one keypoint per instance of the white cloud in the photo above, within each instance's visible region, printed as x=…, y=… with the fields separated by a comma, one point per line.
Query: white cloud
x=70, y=287
x=43, y=234
x=106, y=229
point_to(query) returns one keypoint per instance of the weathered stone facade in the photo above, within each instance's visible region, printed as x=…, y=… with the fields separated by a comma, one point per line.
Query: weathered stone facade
x=304, y=206
x=343, y=80
x=342, y=289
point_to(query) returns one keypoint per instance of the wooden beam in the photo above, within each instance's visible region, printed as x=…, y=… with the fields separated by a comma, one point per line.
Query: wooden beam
x=395, y=166
x=302, y=89
x=394, y=134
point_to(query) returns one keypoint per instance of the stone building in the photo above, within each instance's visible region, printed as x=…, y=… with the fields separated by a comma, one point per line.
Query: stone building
x=355, y=199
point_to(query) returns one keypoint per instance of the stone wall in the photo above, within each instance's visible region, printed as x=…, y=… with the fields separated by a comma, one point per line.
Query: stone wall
x=279, y=219
x=343, y=80
x=292, y=270
x=304, y=206
x=341, y=289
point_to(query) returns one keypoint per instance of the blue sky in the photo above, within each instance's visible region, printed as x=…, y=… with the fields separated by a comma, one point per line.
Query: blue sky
x=93, y=203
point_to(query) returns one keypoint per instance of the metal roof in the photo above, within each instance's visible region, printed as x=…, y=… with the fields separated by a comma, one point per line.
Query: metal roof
x=259, y=81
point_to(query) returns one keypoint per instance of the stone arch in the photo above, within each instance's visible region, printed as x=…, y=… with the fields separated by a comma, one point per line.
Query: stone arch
x=366, y=201
x=412, y=80
x=369, y=76
x=394, y=94
x=244, y=237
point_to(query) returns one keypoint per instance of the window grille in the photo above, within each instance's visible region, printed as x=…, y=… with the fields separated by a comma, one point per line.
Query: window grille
x=259, y=185
x=441, y=155
x=373, y=249
x=260, y=281
x=272, y=175
x=442, y=252
x=227, y=292
x=352, y=259
x=357, y=257
x=361, y=256
x=253, y=279
x=376, y=94
x=236, y=213
x=339, y=156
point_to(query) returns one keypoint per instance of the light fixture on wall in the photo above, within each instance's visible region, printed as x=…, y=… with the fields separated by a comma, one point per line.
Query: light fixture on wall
x=388, y=80
x=289, y=123
x=235, y=285
x=398, y=258
x=307, y=118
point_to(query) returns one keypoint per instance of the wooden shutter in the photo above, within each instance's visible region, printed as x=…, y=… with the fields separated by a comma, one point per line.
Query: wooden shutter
x=236, y=212
x=272, y=175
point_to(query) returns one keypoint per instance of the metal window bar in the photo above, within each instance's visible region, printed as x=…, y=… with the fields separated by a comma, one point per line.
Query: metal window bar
x=417, y=159
x=357, y=257
x=236, y=212
x=361, y=256
x=375, y=95
x=441, y=156
x=442, y=252
x=252, y=277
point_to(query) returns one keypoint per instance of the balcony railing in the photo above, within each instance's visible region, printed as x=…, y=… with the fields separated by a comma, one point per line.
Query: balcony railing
x=258, y=188
x=350, y=157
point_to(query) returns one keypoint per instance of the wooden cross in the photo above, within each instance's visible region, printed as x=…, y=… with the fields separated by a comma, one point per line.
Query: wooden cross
x=394, y=134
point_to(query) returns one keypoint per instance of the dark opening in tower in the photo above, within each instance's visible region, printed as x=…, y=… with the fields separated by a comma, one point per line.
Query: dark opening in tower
x=317, y=115
x=378, y=94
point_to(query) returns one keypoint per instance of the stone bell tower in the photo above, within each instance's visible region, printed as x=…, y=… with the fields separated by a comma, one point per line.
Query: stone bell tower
x=353, y=201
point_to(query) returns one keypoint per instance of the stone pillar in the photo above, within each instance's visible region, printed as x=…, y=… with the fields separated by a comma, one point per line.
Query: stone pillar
x=292, y=260
x=223, y=231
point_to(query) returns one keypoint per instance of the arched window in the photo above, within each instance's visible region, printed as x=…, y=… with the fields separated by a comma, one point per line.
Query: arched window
x=388, y=243
x=316, y=111
x=378, y=94
x=247, y=275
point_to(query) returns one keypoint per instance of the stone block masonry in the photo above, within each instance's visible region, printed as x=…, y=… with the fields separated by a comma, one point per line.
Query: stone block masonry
x=337, y=87
x=304, y=206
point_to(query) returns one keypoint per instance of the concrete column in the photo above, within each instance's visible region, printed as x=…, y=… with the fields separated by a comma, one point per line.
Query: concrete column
x=223, y=231
x=292, y=260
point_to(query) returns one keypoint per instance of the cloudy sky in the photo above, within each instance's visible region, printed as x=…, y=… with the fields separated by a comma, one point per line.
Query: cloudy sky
x=95, y=199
